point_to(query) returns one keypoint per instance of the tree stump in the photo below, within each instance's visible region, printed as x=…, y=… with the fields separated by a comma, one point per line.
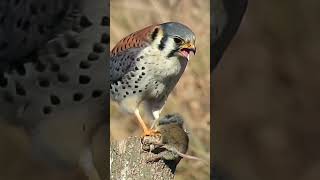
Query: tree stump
x=129, y=161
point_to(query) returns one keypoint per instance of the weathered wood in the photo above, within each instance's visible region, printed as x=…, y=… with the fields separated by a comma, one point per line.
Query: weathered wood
x=129, y=161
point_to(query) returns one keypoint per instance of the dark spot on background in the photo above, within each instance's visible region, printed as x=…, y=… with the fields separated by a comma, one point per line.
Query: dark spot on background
x=20, y=90
x=84, y=65
x=63, y=78
x=77, y=96
x=44, y=83
x=97, y=93
x=46, y=110
x=84, y=79
x=54, y=100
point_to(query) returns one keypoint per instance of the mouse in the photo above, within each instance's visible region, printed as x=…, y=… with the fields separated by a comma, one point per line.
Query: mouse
x=171, y=144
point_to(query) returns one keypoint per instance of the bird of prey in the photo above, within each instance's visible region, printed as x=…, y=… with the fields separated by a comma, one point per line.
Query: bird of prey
x=146, y=65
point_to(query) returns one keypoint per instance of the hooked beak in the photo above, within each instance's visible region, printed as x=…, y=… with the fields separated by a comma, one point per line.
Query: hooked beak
x=189, y=46
x=186, y=48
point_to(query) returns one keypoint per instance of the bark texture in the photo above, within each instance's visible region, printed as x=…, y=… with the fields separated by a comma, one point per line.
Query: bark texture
x=128, y=161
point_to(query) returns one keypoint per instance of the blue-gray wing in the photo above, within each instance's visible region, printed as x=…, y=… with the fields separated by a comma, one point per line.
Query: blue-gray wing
x=121, y=64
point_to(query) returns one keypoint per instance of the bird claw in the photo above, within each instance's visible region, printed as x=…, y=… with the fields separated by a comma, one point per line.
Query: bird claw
x=151, y=141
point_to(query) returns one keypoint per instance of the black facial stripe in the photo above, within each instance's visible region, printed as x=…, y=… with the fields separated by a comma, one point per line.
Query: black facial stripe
x=154, y=34
x=171, y=54
x=162, y=43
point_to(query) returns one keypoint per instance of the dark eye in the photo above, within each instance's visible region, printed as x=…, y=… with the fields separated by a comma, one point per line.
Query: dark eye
x=177, y=40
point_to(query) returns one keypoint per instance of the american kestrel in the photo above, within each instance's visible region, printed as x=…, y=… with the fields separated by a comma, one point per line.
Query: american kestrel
x=146, y=65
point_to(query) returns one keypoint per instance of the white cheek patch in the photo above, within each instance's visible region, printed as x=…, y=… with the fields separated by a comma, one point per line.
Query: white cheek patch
x=156, y=42
x=170, y=45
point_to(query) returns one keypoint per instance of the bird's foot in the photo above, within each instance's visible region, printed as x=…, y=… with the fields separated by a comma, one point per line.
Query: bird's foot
x=151, y=141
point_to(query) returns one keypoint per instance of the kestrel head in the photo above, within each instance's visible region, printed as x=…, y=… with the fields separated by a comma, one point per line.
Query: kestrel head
x=174, y=39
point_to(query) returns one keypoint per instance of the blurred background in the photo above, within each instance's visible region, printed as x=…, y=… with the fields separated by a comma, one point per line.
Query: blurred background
x=41, y=137
x=266, y=94
x=191, y=97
